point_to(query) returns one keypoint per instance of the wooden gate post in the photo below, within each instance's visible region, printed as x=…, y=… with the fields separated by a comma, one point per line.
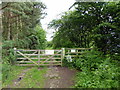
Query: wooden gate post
x=15, y=54
x=38, y=56
x=63, y=55
x=15, y=51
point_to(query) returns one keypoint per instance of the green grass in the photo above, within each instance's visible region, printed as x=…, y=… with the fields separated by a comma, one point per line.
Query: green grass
x=15, y=71
x=34, y=78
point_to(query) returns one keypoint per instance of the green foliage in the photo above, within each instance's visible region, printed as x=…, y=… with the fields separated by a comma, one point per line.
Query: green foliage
x=49, y=44
x=106, y=76
x=68, y=64
x=5, y=71
x=20, y=21
x=97, y=71
x=90, y=24
x=89, y=61
x=8, y=52
x=21, y=29
x=9, y=73
x=40, y=35
x=34, y=78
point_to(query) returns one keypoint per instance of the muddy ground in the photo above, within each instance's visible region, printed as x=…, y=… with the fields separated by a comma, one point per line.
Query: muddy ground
x=56, y=77
x=59, y=77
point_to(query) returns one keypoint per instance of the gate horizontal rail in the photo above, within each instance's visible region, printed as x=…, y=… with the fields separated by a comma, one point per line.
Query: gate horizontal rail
x=41, y=58
x=36, y=50
x=38, y=57
x=37, y=61
x=38, y=54
x=38, y=64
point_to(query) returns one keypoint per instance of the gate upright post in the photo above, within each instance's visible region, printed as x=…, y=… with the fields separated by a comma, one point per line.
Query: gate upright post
x=38, y=56
x=63, y=55
x=15, y=54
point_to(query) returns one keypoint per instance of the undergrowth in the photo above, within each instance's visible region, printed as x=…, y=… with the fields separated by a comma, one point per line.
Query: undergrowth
x=97, y=70
x=34, y=78
x=9, y=73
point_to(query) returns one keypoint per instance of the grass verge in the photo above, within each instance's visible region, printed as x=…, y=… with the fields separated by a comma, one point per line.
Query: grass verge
x=14, y=72
x=34, y=78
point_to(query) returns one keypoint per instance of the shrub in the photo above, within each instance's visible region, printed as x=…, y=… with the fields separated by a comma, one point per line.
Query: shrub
x=8, y=58
x=6, y=68
x=98, y=70
x=106, y=76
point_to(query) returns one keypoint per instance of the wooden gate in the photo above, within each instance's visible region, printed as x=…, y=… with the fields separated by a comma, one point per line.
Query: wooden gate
x=39, y=57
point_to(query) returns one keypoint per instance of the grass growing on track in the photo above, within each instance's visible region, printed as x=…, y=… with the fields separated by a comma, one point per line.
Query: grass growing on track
x=34, y=78
x=14, y=72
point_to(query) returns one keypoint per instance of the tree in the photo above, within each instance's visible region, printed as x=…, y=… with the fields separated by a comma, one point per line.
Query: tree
x=22, y=27
x=19, y=21
x=91, y=24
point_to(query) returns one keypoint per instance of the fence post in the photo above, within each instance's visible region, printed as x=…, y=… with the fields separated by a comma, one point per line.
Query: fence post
x=38, y=56
x=77, y=51
x=63, y=55
x=15, y=54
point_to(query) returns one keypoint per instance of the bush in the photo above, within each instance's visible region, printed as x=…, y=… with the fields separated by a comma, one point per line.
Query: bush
x=68, y=64
x=106, y=76
x=8, y=59
x=6, y=68
x=98, y=71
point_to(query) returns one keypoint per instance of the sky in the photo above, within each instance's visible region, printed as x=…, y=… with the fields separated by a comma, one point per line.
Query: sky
x=54, y=8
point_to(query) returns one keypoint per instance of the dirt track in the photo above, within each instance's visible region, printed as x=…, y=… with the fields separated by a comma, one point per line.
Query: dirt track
x=56, y=77
x=59, y=77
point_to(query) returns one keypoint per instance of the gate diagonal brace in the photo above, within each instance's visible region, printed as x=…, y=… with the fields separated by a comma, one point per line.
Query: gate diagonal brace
x=50, y=57
x=26, y=57
x=29, y=56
